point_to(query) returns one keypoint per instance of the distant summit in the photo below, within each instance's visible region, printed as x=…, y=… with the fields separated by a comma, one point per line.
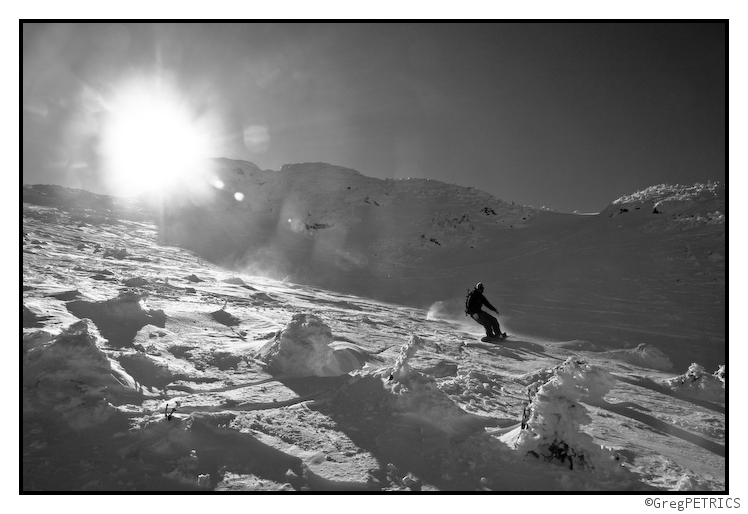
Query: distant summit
x=663, y=193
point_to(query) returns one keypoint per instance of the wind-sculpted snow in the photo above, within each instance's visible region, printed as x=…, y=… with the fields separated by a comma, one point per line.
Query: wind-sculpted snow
x=643, y=355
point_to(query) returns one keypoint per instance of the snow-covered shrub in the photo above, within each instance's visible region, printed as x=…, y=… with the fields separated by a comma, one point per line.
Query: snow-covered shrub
x=721, y=374
x=698, y=383
x=551, y=431
x=402, y=370
x=301, y=349
x=304, y=348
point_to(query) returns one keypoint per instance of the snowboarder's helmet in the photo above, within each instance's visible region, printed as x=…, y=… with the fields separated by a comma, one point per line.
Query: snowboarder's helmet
x=479, y=287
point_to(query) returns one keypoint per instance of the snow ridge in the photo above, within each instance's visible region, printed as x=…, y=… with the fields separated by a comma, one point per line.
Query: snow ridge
x=682, y=207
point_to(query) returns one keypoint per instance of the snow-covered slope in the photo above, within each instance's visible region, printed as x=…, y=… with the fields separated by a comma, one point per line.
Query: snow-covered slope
x=147, y=367
x=649, y=269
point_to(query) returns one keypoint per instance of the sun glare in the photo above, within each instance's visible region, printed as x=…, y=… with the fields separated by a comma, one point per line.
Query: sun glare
x=151, y=137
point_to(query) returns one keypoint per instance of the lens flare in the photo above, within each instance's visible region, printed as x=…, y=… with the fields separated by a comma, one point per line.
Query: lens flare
x=151, y=136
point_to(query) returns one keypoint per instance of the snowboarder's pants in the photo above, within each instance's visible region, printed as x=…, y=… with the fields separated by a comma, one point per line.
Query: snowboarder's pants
x=490, y=323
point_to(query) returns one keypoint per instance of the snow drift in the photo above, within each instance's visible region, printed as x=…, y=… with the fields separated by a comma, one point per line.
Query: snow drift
x=643, y=355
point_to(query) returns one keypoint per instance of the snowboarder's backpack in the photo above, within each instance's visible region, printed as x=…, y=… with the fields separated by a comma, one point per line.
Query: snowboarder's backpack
x=470, y=299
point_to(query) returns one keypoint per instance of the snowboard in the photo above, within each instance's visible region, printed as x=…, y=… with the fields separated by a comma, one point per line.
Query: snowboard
x=487, y=339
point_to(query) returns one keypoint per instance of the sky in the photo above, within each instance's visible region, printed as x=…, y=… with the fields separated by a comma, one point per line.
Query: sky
x=568, y=116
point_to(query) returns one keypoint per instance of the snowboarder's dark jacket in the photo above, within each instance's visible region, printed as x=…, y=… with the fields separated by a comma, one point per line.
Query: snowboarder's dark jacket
x=475, y=301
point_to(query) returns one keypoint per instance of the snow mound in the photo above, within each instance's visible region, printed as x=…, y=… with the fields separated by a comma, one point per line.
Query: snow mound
x=550, y=429
x=643, y=355
x=70, y=375
x=697, y=383
x=305, y=348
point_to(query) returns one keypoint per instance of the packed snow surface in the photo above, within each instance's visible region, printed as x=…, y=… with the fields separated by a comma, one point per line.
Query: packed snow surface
x=150, y=367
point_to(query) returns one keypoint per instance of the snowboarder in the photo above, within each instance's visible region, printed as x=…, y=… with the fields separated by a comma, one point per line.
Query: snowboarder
x=476, y=300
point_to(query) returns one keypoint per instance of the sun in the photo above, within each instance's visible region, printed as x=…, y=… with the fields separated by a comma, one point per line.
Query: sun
x=150, y=138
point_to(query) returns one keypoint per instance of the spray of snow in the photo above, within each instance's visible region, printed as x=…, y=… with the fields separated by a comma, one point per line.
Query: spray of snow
x=447, y=309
